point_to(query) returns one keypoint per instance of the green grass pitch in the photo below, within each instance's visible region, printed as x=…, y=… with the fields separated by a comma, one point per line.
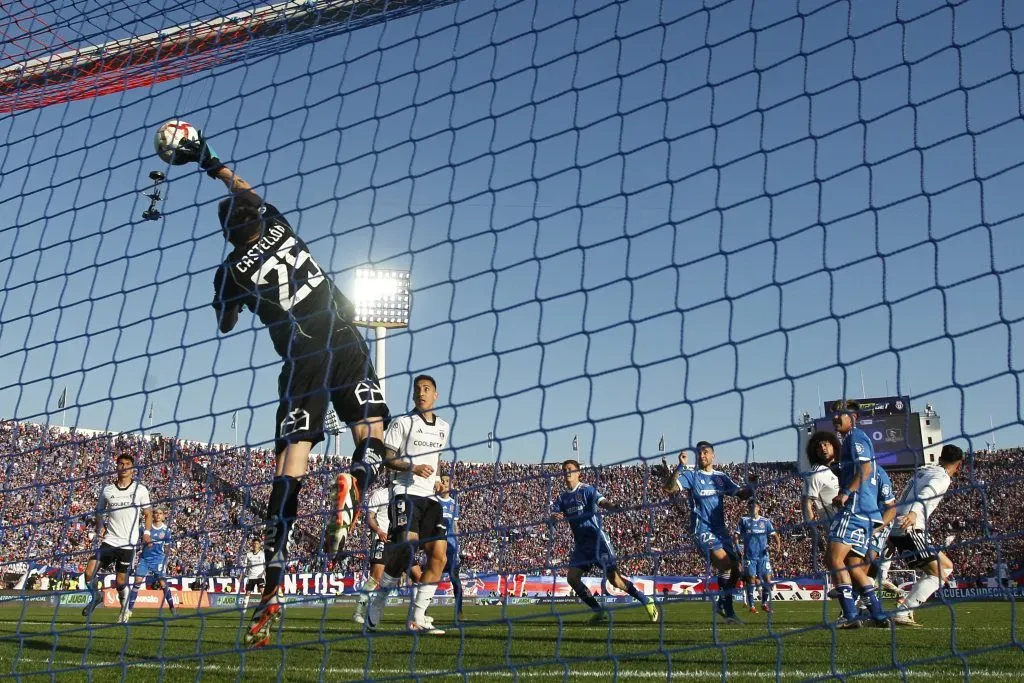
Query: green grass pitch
x=530, y=643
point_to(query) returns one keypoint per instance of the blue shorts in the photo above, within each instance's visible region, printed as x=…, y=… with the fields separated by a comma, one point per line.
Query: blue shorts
x=710, y=540
x=146, y=567
x=853, y=530
x=599, y=553
x=757, y=566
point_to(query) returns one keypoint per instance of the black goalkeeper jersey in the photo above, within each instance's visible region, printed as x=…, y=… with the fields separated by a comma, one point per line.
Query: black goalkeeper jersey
x=277, y=279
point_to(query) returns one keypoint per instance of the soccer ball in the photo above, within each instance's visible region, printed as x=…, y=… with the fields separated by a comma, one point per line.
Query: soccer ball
x=167, y=138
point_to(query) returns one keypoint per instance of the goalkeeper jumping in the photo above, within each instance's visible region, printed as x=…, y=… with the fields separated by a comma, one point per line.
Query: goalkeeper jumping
x=271, y=272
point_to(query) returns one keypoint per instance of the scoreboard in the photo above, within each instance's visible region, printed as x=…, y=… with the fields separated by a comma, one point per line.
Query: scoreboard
x=881, y=405
x=896, y=436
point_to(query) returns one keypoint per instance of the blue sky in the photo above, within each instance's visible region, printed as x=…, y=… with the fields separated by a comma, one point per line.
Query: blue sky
x=622, y=221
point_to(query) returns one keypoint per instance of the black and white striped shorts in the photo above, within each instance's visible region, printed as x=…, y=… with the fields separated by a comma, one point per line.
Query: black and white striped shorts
x=913, y=548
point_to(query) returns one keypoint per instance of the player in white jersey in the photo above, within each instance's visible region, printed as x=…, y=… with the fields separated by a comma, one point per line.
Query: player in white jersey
x=910, y=538
x=377, y=506
x=255, y=571
x=414, y=443
x=821, y=485
x=119, y=509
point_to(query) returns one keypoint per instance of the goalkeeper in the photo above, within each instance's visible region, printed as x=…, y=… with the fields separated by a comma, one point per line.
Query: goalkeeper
x=271, y=272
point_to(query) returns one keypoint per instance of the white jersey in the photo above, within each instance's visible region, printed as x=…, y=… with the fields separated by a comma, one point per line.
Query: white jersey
x=922, y=495
x=821, y=485
x=123, y=513
x=254, y=565
x=420, y=443
x=377, y=504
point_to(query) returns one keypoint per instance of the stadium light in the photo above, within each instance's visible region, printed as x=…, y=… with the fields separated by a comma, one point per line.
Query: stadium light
x=382, y=301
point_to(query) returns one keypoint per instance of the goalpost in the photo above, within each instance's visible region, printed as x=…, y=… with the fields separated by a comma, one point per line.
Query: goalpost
x=624, y=226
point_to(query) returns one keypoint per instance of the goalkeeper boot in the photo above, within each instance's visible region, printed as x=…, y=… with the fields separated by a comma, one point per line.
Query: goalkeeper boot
x=346, y=512
x=599, y=617
x=263, y=620
x=652, y=612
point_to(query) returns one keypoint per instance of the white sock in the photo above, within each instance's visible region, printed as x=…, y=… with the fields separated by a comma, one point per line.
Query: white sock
x=122, y=596
x=421, y=600
x=368, y=586
x=922, y=590
x=245, y=601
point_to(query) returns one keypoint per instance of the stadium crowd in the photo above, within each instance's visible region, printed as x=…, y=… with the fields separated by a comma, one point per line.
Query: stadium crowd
x=49, y=479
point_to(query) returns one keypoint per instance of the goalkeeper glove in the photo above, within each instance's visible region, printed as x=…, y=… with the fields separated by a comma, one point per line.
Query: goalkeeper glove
x=199, y=151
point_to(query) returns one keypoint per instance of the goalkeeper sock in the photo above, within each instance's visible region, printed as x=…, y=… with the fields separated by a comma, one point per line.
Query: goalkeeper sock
x=846, y=601
x=281, y=512
x=631, y=589
x=421, y=600
x=922, y=590
x=871, y=598
x=585, y=595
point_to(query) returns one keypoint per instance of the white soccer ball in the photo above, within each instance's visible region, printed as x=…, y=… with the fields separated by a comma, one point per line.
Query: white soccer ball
x=167, y=138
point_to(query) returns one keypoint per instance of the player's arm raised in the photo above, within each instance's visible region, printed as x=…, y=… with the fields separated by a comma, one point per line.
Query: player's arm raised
x=669, y=480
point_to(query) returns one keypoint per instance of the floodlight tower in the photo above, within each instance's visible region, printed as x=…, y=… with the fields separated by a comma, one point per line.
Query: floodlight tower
x=382, y=301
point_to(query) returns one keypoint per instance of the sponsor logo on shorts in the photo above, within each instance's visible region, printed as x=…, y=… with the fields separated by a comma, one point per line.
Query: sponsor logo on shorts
x=368, y=392
x=296, y=421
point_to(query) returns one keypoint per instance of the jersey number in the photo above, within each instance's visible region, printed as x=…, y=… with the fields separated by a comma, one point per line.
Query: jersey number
x=290, y=269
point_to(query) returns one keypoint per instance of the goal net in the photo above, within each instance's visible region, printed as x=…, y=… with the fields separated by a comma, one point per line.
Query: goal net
x=627, y=226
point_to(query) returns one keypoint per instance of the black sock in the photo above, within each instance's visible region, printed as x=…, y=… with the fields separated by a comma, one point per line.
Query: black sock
x=585, y=595
x=631, y=589
x=282, y=510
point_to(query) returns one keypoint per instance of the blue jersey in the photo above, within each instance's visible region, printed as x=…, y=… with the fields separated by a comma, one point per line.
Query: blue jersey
x=450, y=515
x=580, y=509
x=706, y=491
x=885, y=493
x=856, y=450
x=754, y=533
x=153, y=553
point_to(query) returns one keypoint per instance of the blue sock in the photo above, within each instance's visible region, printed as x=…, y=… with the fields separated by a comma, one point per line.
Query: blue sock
x=874, y=606
x=168, y=598
x=133, y=596
x=766, y=593
x=631, y=589
x=457, y=591
x=749, y=588
x=846, y=600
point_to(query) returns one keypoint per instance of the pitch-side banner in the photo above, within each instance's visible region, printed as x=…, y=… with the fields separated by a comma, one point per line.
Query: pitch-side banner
x=487, y=585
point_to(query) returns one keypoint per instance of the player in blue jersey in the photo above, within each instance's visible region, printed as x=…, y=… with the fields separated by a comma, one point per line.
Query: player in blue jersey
x=580, y=505
x=753, y=532
x=857, y=515
x=151, y=566
x=707, y=488
x=878, y=569
x=450, y=515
